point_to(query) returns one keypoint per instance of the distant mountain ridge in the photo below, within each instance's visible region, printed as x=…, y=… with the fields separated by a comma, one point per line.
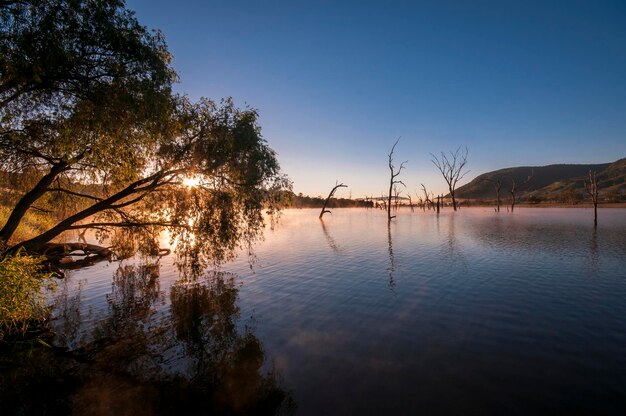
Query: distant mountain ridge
x=558, y=183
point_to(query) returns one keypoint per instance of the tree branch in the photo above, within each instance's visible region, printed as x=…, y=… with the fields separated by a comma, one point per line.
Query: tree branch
x=330, y=195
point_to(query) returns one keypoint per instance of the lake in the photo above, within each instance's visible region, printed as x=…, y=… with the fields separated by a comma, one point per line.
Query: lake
x=456, y=313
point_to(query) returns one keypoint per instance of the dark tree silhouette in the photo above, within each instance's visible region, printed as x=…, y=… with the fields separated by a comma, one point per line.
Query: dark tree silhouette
x=392, y=180
x=514, y=188
x=93, y=135
x=330, y=195
x=591, y=186
x=396, y=197
x=452, y=169
x=497, y=184
x=410, y=202
x=427, y=200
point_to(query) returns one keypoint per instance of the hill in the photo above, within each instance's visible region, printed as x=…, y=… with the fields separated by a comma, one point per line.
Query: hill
x=552, y=183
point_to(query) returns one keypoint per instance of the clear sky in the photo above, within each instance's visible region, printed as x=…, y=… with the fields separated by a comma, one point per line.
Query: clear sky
x=337, y=82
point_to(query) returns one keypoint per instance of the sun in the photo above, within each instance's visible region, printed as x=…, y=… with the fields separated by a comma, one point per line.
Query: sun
x=191, y=181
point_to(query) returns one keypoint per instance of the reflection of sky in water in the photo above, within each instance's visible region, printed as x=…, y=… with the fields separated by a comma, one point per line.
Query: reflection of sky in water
x=503, y=311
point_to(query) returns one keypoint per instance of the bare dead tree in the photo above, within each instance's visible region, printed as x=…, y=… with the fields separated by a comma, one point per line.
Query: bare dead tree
x=393, y=181
x=497, y=184
x=410, y=202
x=396, y=197
x=330, y=195
x=514, y=188
x=591, y=187
x=452, y=169
x=428, y=200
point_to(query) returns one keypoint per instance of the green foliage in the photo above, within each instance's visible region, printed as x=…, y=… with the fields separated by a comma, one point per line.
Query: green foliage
x=22, y=280
x=80, y=79
x=90, y=131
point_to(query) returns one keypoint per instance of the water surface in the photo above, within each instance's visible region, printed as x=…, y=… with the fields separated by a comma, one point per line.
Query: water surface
x=460, y=312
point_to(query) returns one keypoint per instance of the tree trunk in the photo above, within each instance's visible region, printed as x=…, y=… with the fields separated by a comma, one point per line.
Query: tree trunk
x=389, y=217
x=592, y=190
x=34, y=244
x=453, y=199
x=330, y=195
x=498, y=199
x=512, y=201
x=28, y=199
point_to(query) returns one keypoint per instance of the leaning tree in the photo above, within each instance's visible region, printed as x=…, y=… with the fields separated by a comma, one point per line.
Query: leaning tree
x=91, y=134
x=330, y=195
x=452, y=169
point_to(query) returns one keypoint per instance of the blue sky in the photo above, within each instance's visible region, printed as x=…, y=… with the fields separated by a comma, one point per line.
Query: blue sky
x=519, y=83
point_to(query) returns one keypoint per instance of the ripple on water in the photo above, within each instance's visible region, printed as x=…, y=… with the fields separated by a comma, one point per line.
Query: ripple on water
x=516, y=313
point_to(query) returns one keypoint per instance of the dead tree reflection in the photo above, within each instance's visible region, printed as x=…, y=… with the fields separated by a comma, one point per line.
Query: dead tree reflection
x=594, y=255
x=329, y=239
x=454, y=253
x=392, y=263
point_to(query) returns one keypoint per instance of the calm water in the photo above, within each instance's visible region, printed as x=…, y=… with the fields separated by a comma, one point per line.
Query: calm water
x=463, y=312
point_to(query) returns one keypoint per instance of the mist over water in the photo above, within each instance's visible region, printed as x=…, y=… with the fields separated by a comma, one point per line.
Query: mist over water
x=451, y=313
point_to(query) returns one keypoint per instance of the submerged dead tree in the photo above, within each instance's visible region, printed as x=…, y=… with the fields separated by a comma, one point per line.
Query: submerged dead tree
x=330, y=195
x=591, y=187
x=514, y=188
x=497, y=185
x=393, y=181
x=452, y=169
x=428, y=201
x=396, y=197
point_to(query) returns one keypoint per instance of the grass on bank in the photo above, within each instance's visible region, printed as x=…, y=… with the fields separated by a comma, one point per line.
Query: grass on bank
x=33, y=224
x=22, y=278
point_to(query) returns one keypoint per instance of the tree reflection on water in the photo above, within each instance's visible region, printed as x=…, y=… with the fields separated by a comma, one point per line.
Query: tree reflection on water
x=194, y=358
x=392, y=264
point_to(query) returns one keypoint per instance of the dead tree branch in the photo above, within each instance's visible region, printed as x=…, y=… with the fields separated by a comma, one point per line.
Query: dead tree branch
x=393, y=181
x=591, y=187
x=497, y=185
x=427, y=197
x=514, y=188
x=330, y=195
x=452, y=169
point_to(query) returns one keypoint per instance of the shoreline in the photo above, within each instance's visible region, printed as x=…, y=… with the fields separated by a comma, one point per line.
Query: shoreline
x=502, y=206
